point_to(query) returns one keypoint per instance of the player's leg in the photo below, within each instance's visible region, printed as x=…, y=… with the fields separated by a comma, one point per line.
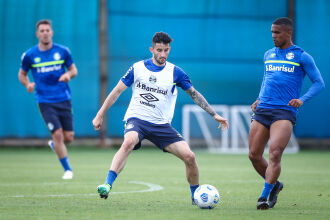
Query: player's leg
x=280, y=133
x=118, y=162
x=52, y=117
x=64, y=111
x=62, y=153
x=68, y=136
x=59, y=146
x=258, y=137
x=182, y=151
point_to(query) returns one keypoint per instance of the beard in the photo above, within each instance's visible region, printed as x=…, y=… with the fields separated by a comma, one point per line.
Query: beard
x=160, y=61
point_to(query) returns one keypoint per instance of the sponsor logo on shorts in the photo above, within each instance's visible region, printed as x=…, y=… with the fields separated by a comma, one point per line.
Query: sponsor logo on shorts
x=50, y=126
x=129, y=126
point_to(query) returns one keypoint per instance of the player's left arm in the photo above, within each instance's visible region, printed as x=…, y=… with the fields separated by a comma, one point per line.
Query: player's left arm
x=314, y=75
x=68, y=75
x=71, y=67
x=201, y=101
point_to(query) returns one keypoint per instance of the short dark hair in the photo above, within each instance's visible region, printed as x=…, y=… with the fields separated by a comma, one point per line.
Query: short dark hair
x=43, y=21
x=287, y=22
x=161, y=37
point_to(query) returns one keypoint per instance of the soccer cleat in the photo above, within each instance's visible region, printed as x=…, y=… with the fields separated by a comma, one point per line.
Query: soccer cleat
x=104, y=190
x=68, y=175
x=51, y=145
x=262, y=203
x=193, y=202
x=274, y=193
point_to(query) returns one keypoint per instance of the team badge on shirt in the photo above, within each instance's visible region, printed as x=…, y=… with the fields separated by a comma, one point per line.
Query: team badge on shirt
x=57, y=56
x=290, y=56
x=272, y=55
x=152, y=79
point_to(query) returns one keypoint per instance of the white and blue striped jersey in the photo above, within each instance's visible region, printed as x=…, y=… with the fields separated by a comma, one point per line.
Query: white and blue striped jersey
x=154, y=90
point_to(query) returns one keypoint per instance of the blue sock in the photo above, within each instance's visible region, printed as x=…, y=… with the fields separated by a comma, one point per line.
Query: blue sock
x=112, y=175
x=65, y=163
x=192, y=189
x=267, y=188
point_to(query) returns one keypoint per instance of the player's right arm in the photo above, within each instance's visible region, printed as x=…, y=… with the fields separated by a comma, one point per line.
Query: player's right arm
x=126, y=81
x=24, y=79
x=254, y=105
x=23, y=73
x=109, y=101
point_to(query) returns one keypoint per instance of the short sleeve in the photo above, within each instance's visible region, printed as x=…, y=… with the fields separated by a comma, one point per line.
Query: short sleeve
x=128, y=78
x=25, y=62
x=181, y=79
x=67, y=57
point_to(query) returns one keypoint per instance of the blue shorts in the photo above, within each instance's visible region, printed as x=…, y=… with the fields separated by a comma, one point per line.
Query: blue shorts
x=159, y=134
x=268, y=116
x=57, y=115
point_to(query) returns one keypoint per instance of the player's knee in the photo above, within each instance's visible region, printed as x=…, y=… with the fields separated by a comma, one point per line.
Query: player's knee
x=128, y=144
x=68, y=138
x=254, y=157
x=190, y=158
x=275, y=155
x=58, y=135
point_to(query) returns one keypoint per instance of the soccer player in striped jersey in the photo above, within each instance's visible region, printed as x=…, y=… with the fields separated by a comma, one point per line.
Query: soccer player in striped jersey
x=52, y=68
x=154, y=84
x=275, y=110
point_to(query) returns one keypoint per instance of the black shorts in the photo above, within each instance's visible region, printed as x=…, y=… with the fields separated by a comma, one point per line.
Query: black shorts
x=268, y=116
x=57, y=115
x=159, y=134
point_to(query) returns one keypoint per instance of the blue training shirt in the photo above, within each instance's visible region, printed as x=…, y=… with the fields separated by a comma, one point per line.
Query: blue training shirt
x=284, y=72
x=47, y=67
x=180, y=78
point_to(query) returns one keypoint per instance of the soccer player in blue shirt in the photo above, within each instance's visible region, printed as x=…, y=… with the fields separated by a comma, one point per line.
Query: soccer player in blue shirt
x=276, y=107
x=154, y=84
x=52, y=68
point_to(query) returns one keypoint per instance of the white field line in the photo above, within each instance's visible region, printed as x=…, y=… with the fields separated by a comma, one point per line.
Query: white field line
x=151, y=187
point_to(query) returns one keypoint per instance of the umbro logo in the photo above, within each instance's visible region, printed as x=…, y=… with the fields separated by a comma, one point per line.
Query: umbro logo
x=149, y=97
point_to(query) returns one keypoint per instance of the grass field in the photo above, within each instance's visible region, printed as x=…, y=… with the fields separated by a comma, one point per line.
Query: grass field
x=31, y=186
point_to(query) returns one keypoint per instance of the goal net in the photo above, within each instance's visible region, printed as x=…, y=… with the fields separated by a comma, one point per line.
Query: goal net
x=200, y=130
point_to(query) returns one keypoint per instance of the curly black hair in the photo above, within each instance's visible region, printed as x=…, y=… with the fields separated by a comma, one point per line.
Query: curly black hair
x=161, y=37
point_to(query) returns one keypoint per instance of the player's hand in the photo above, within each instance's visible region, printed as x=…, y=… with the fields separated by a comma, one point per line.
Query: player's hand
x=296, y=103
x=65, y=77
x=254, y=105
x=222, y=122
x=30, y=87
x=97, y=122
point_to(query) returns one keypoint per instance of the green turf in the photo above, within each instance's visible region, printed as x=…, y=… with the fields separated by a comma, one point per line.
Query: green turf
x=36, y=175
